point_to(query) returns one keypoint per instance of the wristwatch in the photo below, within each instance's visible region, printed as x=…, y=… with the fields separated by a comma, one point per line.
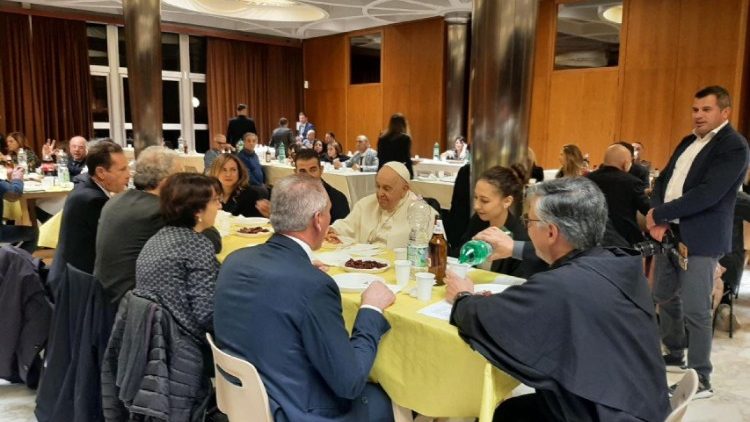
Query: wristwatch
x=461, y=295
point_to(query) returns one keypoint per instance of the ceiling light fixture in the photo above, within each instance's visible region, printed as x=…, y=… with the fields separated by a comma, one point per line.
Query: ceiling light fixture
x=261, y=10
x=613, y=13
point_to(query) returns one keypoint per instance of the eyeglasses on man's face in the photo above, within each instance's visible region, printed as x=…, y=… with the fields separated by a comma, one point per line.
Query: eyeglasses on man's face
x=526, y=220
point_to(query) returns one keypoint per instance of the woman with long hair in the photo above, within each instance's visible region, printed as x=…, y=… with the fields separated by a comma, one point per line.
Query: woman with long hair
x=334, y=153
x=495, y=192
x=17, y=141
x=458, y=152
x=238, y=197
x=571, y=162
x=395, y=143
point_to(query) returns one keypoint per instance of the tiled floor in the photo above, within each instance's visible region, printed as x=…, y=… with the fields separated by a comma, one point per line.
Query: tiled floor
x=731, y=359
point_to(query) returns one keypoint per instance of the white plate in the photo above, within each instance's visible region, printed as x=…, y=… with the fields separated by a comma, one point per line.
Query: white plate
x=355, y=282
x=236, y=232
x=371, y=271
x=489, y=287
x=333, y=258
x=363, y=249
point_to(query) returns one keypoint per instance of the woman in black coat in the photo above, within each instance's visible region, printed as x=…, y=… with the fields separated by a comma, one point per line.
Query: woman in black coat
x=395, y=143
x=238, y=197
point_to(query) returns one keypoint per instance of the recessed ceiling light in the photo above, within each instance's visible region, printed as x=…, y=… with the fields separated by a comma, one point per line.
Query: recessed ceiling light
x=263, y=10
x=613, y=13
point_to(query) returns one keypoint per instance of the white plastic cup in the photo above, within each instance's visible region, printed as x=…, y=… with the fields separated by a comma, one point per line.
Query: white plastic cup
x=403, y=268
x=459, y=269
x=400, y=254
x=425, y=281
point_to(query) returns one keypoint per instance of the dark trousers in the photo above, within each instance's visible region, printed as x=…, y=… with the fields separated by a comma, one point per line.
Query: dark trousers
x=378, y=403
x=526, y=408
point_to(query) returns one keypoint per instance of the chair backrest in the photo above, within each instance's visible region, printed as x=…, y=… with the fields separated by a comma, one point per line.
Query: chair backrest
x=682, y=395
x=246, y=402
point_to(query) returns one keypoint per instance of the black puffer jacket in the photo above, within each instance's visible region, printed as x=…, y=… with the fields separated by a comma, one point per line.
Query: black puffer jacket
x=151, y=367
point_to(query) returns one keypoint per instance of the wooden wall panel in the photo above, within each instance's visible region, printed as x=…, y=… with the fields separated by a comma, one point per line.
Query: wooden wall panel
x=364, y=113
x=412, y=83
x=583, y=110
x=650, y=62
x=540, y=89
x=325, y=70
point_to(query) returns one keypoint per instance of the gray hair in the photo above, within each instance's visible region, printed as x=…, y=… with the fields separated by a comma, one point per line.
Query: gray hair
x=154, y=164
x=295, y=200
x=576, y=206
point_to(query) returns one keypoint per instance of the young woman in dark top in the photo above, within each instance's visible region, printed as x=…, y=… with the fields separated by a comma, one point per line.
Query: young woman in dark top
x=395, y=143
x=571, y=160
x=494, y=194
x=318, y=148
x=238, y=197
x=334, y=153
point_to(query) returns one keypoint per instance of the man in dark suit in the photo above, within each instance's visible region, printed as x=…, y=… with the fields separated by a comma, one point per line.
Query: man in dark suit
x=240, y=125
x=307, y=162
x=695, y=197
x=282, y=135
x=275, y=309
x=623, y=191
x=304, y=125
x=107, y=175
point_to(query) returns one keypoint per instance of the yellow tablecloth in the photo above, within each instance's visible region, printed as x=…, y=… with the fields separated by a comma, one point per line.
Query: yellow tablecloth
x=422, y=363
x=49, y=232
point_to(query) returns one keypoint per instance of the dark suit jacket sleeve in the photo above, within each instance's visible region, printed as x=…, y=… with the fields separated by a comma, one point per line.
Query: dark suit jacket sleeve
x=640, y=199
x=724, y=166
x=343, y=362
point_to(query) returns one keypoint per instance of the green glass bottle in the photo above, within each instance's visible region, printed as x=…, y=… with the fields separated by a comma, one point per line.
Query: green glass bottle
x=475, y=252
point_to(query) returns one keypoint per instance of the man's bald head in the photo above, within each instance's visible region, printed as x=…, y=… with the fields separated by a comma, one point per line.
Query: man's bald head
x=618, y=156
x=77, y=148
x=391, y=188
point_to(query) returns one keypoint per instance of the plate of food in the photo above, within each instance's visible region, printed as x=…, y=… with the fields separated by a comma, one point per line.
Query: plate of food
x=252, y=231
x=335, y=258
x=355, y=283
x=367, y=265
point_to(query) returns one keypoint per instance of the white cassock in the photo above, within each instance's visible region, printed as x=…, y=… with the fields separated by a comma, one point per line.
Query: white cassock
x=368, y=223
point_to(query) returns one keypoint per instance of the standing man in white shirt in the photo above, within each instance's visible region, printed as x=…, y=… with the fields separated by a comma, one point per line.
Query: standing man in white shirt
x=694, y=197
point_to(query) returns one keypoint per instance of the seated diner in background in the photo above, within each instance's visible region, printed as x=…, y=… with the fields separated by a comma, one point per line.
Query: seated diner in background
x=458, y=152
x=333, y=153
x=25, y=237
x=238, y=197
x=16, y=141
x=380, y=218
x=364, y=160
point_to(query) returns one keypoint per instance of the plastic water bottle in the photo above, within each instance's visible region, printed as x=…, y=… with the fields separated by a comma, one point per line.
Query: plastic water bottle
x=475, y=252
x=417, y=251
x=63, y=174
x=240, y=145
x=282, y=153
x=23, y=160
x=436, y=152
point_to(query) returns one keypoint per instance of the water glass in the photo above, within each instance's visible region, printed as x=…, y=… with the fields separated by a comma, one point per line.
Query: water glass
x=400, y=253
x=459, y=269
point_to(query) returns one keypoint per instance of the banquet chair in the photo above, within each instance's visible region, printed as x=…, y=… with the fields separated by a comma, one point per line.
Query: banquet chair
x=685, y=391
x=248, y=401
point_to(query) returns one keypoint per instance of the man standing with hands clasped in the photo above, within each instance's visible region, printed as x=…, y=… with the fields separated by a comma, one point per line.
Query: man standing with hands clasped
x=694, y=197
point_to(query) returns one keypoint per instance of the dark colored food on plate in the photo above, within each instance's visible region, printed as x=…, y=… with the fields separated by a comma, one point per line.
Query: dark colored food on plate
x=363, y=264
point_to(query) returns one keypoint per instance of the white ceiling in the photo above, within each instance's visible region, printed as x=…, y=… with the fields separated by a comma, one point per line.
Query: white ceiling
x=343, y=15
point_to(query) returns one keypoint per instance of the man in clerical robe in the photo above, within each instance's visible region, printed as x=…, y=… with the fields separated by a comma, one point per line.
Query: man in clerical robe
x=381, y=218
x=583, y=334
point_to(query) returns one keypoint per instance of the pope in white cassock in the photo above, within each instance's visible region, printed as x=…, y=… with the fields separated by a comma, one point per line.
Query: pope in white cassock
x=380, y=218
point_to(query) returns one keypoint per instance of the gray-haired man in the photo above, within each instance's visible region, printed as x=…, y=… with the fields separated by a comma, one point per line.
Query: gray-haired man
x=583, y=333
x=271, y=298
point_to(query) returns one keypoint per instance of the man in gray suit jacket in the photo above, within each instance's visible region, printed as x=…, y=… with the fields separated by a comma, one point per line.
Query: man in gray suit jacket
x=365, y=159
x=282, y=134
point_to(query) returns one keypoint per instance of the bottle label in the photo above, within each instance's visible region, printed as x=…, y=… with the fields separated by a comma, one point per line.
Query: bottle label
x=438, y=228
x=418, y=255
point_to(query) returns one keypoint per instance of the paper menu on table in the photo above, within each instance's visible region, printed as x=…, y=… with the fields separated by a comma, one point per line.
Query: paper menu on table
x=439, y=310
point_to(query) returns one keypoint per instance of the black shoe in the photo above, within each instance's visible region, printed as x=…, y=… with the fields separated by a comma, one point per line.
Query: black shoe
x=674, y=364
x=704, y=390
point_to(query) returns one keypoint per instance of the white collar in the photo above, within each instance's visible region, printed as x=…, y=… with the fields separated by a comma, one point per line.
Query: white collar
x=106, y=192
x=303, y=245
x=712, y=132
